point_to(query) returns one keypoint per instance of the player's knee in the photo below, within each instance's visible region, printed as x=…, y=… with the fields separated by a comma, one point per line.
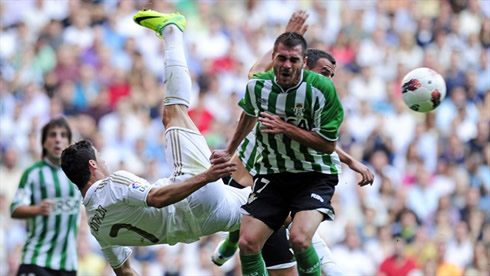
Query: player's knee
x=299, y=241
x=248, y=245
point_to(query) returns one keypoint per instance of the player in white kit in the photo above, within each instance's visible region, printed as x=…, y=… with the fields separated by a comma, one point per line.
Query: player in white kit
x=190, y=204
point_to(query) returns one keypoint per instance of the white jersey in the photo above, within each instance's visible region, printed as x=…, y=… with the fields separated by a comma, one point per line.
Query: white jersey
x=118, y=213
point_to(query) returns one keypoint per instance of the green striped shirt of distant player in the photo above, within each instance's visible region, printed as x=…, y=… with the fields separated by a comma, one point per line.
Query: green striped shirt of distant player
x=312, y=105
x=51, y=240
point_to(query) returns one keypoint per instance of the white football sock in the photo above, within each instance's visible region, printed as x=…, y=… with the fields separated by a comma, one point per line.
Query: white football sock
x=329, y=266
x=177, y=78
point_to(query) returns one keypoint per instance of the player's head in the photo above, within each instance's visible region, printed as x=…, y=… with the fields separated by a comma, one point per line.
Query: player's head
x=321, y=62
x=288, y=58
x=55, y=136
x=81, y=161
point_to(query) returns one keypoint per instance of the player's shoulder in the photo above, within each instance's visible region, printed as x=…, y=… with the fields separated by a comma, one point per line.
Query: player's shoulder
x=268, y=75
x=30, y=172
x=124, y=177
x=318, y=81
x=34, y=167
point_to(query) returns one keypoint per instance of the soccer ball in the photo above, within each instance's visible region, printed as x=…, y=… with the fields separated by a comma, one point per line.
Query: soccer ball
x=423, y=89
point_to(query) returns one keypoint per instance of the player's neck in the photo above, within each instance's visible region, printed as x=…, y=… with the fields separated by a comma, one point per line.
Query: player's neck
x=53, y=162
x=85, y=189
x=95, y=175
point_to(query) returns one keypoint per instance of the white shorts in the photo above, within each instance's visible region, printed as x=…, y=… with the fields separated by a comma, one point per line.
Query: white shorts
x=216, y=205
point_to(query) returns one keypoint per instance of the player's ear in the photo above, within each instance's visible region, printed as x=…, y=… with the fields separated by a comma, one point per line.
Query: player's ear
x=305, y=61
x=92, y=164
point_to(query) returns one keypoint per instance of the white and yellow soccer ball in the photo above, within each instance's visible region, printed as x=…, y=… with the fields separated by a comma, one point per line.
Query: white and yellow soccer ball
x=423, y=89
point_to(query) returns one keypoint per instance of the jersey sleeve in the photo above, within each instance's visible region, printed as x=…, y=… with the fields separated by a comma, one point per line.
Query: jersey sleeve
x=329, y=113
x=116, y=255
x=249, y=102
x=23, y=194
x=133, y=190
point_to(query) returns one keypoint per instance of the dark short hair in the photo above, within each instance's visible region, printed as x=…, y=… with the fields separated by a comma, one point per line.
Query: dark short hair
x=291, y=40
x=74, y=162
x=56, y=122
x=314, y=55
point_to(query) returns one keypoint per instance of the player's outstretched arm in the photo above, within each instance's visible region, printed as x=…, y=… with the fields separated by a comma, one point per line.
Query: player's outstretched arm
x=367, y=176
x=245, y=125
x=175, y=192
x=295, y=24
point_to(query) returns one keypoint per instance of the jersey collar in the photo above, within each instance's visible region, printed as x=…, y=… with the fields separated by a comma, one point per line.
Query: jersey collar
x=291, y=88
x=49, y=163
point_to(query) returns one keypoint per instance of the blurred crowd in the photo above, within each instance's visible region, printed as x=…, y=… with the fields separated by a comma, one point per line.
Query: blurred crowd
x=430, y=203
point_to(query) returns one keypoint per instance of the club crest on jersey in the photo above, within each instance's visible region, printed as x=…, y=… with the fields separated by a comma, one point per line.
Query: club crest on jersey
x=251, y=198
x=299, y=110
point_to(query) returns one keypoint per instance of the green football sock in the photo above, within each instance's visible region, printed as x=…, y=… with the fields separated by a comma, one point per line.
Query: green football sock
x=230, y=245
x=308, y=262
x=253, y=264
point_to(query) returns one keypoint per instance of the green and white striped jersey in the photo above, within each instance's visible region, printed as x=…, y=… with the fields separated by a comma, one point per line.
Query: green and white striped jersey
x=313, y=105
x=51, y=240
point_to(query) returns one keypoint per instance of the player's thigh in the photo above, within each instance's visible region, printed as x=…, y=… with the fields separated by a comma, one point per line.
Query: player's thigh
x=176, y=115
x=187, y=152
x=269, y=200
x=277, y=253
x=218, y=207
x=314, y=192
x=304, y=226
x=253, y=234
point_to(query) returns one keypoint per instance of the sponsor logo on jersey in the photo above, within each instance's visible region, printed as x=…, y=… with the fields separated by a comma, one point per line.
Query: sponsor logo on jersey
x=317, y=197
x=65, y=205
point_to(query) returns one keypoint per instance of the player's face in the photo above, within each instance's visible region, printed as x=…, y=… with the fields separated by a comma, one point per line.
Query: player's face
x=101, y=164
x=324, y=67
x=56, y=141
x=287, y=64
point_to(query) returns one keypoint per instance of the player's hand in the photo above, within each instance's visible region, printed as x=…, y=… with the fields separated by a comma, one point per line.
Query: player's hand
x=273, y=123
x=218, y=155
x=45, y=207
x=297, y=21
x=221, y=168
x=367, y=176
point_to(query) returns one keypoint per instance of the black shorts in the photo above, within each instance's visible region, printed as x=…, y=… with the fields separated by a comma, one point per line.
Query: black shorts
x=275, y=195
x=35, y=270
x=276, y=252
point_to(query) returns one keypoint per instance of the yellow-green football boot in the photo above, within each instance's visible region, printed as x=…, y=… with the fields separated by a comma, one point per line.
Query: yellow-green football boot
x=157, y=21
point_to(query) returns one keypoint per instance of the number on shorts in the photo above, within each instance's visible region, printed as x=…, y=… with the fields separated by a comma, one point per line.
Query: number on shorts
x=262, y=180
x=116, y=227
